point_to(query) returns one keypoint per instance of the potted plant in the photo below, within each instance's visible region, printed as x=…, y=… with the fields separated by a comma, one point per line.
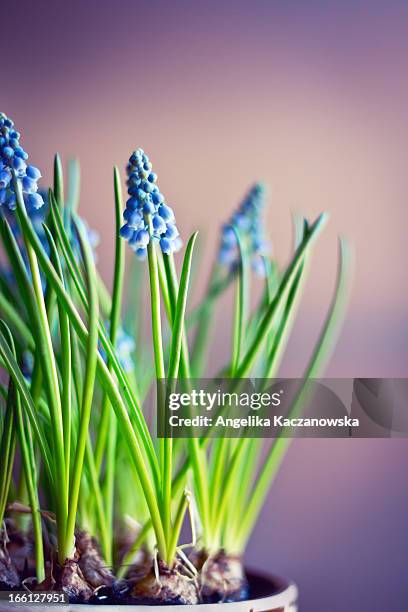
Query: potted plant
x=92, y=503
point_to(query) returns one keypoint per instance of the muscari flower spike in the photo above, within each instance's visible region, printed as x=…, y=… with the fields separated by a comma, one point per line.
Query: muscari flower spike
x=13, y=158
x=248, y=221
x=146, y=200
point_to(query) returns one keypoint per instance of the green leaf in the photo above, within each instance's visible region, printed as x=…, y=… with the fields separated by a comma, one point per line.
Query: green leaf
x=29, y=468
x=22, y=387
x=74, y=180
x=58, y=181
x=178, y=324
x=7, y=451
x=49, y=366
x=172, y=374
x=88, y=391
x=315, y=367
x=141, y=444
x=66, y=369
x=273, y=309
x=108, y=426
x=73, y=267
x=241, y=300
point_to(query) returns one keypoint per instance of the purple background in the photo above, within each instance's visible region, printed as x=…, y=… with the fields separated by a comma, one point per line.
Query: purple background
x=311, y=97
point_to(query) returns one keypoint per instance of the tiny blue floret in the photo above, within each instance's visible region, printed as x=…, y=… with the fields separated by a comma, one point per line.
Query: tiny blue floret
x=146, y=215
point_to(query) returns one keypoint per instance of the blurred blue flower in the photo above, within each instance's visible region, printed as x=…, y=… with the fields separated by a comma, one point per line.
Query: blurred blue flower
x=125, y=349
x=247, y=219
x=14, y=158
x=27, y=365
x=145, y=199
x=93, y=240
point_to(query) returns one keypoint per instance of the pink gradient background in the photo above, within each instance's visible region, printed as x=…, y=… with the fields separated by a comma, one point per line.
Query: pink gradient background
x=312, y=98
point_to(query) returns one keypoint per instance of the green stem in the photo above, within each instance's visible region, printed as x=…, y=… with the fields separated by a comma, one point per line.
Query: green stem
x=49, y=372
x=164, y=455
x=115, y=314
x=178, y=523
x=178, y=333
x=88, y=392
x=220, y=456
x=101, y=513
x=239, y=497
x=197, y=458
x=155, y=310
x=66, y=361
x=240, y=306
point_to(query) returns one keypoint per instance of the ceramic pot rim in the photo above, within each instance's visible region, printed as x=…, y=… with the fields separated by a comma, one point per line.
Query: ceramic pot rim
x=284, y=600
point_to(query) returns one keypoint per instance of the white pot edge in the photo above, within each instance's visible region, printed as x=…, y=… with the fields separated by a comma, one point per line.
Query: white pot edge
x=287, y=600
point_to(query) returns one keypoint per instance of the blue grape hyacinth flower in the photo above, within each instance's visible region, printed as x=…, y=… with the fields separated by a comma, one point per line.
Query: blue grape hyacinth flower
x=13, y=158
x=145, y=200
x=247, y=219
